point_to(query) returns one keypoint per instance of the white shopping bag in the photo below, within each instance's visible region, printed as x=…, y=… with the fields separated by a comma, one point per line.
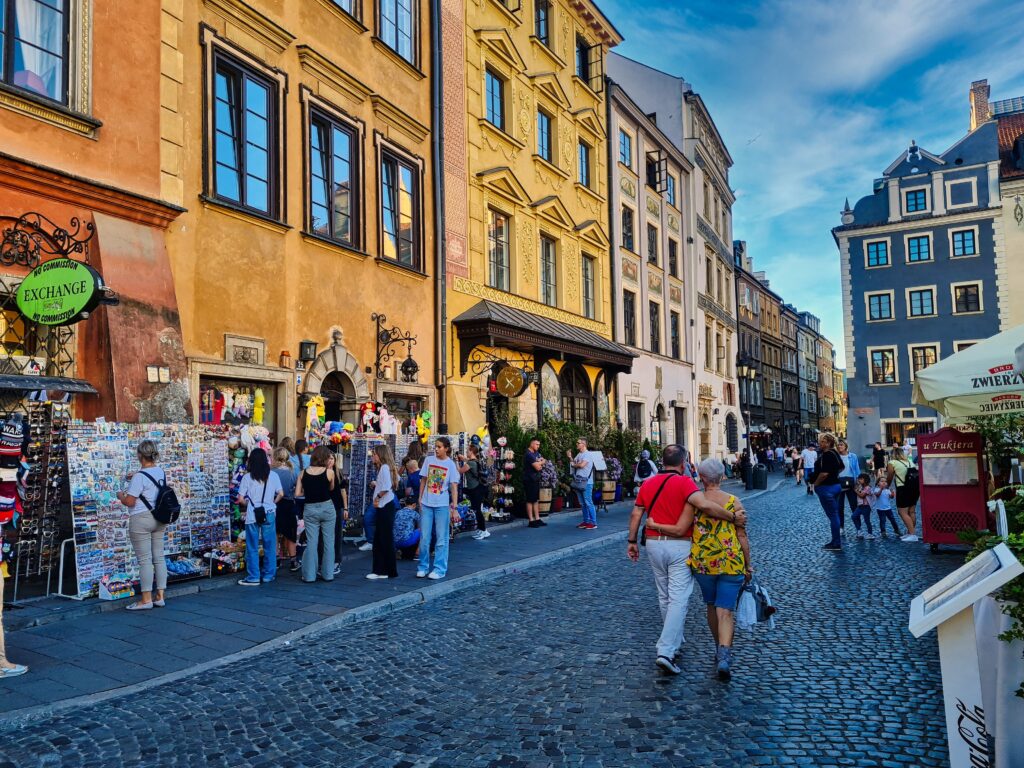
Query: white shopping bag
x=746, y=611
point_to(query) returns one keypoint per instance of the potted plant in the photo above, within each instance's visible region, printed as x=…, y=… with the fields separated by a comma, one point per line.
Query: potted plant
x=614, y=474
x=548, y=481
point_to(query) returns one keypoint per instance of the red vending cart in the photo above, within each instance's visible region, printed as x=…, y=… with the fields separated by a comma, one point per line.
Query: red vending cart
x=952, y=485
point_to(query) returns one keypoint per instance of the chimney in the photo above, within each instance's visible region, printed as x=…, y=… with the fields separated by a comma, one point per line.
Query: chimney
x=981, y=110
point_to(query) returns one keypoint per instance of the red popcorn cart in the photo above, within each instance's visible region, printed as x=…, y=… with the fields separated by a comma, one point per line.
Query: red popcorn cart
x=953, y=493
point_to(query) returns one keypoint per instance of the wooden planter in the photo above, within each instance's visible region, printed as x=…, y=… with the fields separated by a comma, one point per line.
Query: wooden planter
x=545, y=501
x=607, y=491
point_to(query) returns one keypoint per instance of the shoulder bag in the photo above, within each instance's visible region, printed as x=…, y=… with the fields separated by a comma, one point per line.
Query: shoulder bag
x=643, y=522
x=260, y=512
x=580, y=483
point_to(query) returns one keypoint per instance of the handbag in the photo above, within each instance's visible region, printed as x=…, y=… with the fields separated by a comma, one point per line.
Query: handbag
x=260, y=512
x=643, y=523
x=580, y=483
x=846, y=483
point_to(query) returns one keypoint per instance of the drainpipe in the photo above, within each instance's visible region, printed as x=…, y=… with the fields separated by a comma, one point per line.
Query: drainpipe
x=612, y=269
x=440, y=265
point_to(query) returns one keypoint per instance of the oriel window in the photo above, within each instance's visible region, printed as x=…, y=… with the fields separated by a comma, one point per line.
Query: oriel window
x=245, y=137
x=33, y=46
x=400, y=211
x=333, y=196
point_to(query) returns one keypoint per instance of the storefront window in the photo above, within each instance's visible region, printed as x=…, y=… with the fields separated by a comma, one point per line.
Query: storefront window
x=237, y=403
x=405, y=408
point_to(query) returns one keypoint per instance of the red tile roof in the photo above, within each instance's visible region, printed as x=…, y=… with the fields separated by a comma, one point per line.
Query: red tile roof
x=1010, y=128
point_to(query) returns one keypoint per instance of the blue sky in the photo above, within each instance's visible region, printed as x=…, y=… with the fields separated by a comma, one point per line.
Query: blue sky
x=814, y=98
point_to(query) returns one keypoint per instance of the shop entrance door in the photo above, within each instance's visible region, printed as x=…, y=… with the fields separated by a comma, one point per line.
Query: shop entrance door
x=339, y=395
x=679, y=416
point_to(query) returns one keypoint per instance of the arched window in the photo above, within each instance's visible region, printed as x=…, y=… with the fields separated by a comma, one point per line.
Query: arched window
x=577, y=399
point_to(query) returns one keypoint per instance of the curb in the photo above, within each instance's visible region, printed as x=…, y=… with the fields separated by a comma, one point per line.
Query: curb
x=357, y=615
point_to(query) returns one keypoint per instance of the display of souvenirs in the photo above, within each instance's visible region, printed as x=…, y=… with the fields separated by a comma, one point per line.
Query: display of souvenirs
x=235, y=404
x=502, y=488
x=102, y=456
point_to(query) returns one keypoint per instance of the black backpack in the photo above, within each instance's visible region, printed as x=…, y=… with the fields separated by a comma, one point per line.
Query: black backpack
x=167, y=508
x=912, y=478
x=643, y=469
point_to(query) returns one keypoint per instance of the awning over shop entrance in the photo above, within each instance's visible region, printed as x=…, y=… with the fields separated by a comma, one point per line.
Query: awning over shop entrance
x=14, y=383
x=495, y=325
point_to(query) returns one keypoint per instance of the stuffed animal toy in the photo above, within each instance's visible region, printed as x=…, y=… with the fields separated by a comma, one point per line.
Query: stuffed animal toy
x=367, y=417
x=259, y=402
x=388, y=423
x=423, y=426
x=248, y=438
x=262, y=437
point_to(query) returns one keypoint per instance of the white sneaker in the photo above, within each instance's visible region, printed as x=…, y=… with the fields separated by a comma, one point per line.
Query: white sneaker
x=420, y=574
x=373, y=576
x=435, y=576
x=365, y=546
x=909, y=537
x=480, y=535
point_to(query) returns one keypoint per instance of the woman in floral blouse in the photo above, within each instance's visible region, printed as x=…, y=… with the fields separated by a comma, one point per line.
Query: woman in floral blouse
x=720, y=560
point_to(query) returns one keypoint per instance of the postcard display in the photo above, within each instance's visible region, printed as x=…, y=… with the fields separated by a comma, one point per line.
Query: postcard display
x=100, y=458
x=361, y=472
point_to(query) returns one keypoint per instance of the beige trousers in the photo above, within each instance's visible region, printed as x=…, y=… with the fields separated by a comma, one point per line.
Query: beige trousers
x=147, y=537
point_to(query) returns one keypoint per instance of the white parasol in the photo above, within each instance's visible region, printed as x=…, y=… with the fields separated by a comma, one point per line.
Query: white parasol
x=983, y=380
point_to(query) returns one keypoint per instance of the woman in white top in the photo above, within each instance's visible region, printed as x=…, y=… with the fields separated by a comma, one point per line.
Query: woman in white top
x=384, y=561
x=145, y=532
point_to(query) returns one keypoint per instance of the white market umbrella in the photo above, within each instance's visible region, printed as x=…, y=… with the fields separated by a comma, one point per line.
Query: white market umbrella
x=983, y=380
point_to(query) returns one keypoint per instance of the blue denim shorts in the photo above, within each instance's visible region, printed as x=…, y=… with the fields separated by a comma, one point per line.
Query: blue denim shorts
x=720, y=590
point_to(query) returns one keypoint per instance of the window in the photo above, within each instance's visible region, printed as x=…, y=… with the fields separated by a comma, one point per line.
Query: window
x=883, y=365
x=400, y=208
x=245, y=137
x=583, y=162
x=719, y=352
x=332, y=192
x=498, y=252
x=654, y=315
x=960, y=346
x=625, y=149
x=921, y=357
x=582, y=60
x=589, y=310
x=33, y=52
x=673, y=329
x=542, y=21
x=627, y=228
x=577, y=401
x=396, y=26
x=707, y=200
x=919, y=248
x=670, y=190
x=878, y=254
x=652, y=244
x=879, y=306
x=916, y=200
x=346, y=5
x=544, y=134
x=709, y=276
x=709, y=349
x=495, y=92
x=964, y=243
x=967, y=298
x=653, y=170
x=629, y=318
x=635, y=416
x=921, y=302
x=673, y=258
x=548, y=272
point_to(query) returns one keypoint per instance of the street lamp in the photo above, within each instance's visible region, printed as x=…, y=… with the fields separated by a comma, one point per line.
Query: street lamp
x=746, y=369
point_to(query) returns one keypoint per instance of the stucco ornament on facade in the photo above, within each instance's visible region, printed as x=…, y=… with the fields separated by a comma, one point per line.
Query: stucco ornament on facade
x=526, y=251
x=628, y=187
x=629, y=271
x=654, y=283
x=652, y=206
x=673, y=222
x=571, y=271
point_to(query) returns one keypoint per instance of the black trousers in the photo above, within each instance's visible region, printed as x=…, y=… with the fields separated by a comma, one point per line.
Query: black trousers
x=384, y=561
x=476, y=499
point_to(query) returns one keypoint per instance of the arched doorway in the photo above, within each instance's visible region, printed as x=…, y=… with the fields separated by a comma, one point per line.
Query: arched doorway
x=659, y=415
x=705, y=436
x=339, y=394
x=338, y=377
x=732, y=433
x=577, y=399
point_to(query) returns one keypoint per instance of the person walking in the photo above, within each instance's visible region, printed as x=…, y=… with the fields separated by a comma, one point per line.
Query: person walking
x=7, y=668
x=780, y=456
x=287, y=520
x=827, y=467
x=315, y=484
x=798, y=465
x=384, y=562
x=582, y=465
x=848, y=482
x=476, y=491
x=907, y=491
x=533, y=463
x=865, y=495
x=259, y=494
x=669, y=502
x=645, y=468
x=809, y=458
x=145, y=531
x=720, y=561
x=439, y=490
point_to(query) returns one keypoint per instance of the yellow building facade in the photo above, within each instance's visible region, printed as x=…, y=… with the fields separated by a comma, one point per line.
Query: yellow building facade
x=297, y=135
x=526, y=212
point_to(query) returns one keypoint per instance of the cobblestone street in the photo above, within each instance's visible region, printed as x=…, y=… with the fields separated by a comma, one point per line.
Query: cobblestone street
x=555, y=667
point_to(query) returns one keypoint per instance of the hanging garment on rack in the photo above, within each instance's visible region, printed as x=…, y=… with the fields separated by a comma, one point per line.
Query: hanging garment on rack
x=11, y=437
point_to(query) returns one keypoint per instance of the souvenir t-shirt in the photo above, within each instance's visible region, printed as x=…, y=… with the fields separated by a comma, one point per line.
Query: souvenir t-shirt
x=438, y=474
x=671, y=500
x=141, y=487
x=252, y=491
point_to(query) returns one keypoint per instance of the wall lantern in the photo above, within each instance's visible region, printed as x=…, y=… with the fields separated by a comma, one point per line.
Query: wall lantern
x=307, y=351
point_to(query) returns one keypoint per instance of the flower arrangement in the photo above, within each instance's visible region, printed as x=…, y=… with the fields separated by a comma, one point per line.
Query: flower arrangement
x=548, y=475
x=614, y=471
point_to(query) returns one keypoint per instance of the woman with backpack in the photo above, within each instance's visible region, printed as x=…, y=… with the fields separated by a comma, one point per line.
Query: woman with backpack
x=903, y=472
x=259, y=494
x=144, y=530
x=645, y=468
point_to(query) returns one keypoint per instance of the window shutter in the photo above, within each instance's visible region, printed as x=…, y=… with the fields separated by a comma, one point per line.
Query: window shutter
x=595, y=60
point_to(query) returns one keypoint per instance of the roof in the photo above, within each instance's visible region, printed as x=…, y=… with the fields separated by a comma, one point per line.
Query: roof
x=1010, y=127
x=1007, y=106
x=516, y=326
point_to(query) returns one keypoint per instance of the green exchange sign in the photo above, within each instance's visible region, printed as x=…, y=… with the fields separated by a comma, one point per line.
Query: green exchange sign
x=60, y=292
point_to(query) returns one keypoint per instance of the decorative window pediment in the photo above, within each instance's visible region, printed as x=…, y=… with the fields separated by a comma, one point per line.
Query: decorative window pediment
x=502, y=181
x=547, y=84
x=554, y=210
x=499, y=42
x=591, y=231
x=588, y=120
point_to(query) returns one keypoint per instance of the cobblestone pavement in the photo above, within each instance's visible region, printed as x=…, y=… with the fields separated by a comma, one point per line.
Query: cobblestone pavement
x=554, y=667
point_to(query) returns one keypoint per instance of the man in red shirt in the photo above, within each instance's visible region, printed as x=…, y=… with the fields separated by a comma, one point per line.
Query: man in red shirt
x=670, y=498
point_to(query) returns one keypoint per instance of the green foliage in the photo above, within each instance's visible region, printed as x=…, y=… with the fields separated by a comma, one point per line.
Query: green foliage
x=1003, y=435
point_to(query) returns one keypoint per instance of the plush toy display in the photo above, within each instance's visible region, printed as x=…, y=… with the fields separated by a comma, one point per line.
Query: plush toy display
x=368, y=417
x=423, y=426
x=388, y=423
x=259, y=403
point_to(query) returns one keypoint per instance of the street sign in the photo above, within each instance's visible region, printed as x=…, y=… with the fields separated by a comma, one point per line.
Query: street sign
x=949, y=606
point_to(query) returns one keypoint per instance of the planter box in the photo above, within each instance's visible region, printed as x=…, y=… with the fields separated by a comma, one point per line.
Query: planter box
x=544, y=505
x=557, y=503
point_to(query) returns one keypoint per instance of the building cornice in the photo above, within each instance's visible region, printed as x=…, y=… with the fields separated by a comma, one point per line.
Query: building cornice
x=924, y=222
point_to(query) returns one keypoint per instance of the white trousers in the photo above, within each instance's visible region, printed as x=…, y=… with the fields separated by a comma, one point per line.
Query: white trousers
x=675, y=583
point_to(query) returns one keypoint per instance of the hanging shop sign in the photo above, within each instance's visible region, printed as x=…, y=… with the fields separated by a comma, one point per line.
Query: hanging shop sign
x=511, y=382
x=60, y=292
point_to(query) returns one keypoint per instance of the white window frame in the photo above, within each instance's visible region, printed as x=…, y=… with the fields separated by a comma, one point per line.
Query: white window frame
x=906, y=247
x=888, y=251
x=973, y=181
x=937, y=346
x=981, y=296
x=977, y=241
x=935, y=300
x=892, y=306
x=927, y=188
x=896, y=365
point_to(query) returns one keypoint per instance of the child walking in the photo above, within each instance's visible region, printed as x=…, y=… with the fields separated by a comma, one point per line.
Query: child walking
x=884, y=499
x=863, y=510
